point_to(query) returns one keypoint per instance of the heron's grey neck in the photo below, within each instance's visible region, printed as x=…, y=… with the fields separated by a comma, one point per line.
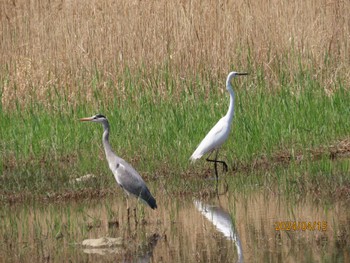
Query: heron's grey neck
x=231, y=108
x=105, y=140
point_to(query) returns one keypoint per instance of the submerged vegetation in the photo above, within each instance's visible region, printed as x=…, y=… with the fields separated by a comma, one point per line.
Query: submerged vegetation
x=163, y=89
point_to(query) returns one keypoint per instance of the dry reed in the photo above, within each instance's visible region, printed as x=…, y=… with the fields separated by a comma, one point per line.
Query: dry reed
x=64, y=44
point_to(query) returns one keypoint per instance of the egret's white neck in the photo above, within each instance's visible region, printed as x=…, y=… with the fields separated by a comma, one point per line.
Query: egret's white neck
x=231, y=108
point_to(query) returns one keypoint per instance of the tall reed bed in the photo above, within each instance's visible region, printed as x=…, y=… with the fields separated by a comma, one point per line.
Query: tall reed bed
x=76, y=49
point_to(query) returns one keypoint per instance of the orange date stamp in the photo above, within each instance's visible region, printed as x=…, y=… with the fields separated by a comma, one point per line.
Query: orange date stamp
x=300, y=225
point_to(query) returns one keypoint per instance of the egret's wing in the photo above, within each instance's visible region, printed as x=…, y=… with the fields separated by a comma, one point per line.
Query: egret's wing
x=215, y=137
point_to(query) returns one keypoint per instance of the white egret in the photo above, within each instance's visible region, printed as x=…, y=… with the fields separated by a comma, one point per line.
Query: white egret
x=219, y=133
x=223, y=222
x=125, y=175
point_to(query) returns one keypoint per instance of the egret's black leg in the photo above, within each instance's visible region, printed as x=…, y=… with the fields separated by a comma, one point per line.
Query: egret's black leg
x=216, y=171
x=224, y=165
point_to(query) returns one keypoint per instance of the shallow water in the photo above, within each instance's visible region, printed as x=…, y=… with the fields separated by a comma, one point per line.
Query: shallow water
x=235, y=227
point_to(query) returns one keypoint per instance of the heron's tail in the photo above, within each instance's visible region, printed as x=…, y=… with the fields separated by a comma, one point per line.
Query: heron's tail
x=152, y=202
x=147, y=197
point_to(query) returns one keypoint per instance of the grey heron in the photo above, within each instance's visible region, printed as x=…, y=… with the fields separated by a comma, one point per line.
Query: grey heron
x=219, y=133
x=125, y=175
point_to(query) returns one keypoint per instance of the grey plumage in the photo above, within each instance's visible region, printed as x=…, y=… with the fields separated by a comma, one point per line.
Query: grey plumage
x=125, y=175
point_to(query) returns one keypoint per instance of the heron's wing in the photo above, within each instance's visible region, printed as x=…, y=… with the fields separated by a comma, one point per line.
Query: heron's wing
x=129, y=179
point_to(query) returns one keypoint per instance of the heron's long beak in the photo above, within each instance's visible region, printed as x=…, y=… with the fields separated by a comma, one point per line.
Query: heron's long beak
x=242, y=73
x=86, y=119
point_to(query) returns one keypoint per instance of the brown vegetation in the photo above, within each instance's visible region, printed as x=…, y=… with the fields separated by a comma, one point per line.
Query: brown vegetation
x=63, y=44
x=337, y=150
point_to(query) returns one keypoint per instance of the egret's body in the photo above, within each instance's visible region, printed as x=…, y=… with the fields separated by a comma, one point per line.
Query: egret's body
x=125, y=175
x=219, y=133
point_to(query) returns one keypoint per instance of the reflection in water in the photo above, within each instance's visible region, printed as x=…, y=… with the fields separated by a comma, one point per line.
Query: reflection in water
x=106, y=246
x=37, y=232
x=146, y=253
x=223, y=222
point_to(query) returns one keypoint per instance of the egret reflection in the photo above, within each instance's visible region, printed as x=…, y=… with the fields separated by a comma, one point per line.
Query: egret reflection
x=223, y=222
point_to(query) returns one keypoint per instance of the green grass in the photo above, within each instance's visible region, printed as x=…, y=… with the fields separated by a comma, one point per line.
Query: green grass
x=44, y=145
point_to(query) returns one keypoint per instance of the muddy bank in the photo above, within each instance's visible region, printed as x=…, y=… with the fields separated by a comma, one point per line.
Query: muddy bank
x=336, y=151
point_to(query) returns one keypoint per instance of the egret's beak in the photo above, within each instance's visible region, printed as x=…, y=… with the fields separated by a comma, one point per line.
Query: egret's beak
x=241, y=73
x=86, y=119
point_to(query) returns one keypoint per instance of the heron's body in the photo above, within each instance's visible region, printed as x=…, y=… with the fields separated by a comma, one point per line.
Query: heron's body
x=220, y=132
x=125, y=175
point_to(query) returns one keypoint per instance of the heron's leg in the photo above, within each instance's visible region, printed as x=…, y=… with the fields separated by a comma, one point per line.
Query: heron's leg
x=135, y=217
x=128, y=209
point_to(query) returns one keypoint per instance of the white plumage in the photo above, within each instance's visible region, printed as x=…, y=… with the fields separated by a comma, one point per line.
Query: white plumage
x=214, y=139
x=219, y=133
